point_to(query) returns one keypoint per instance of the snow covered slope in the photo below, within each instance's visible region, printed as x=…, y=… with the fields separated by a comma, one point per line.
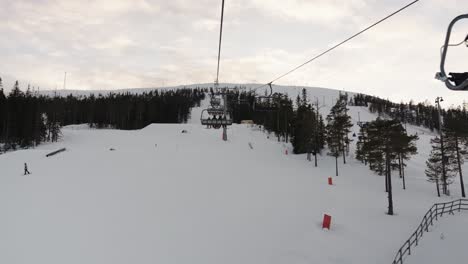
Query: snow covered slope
x=162, y=196
x=292, y=90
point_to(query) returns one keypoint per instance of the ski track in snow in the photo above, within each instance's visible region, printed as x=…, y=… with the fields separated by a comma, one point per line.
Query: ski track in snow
x=196, y=199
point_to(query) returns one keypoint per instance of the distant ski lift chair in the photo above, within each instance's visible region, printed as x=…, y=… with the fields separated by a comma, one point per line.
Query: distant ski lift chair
x=234, y=96
x=224, y=119
x=267, y=103
x=242, y=102
x=215, y=111
x=456, y=81
x=215, y=102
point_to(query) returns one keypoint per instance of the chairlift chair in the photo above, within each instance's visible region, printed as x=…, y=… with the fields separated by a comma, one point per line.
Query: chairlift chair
x=227, y=91
x=455, y=81
x=215, y=102
x=216, y=121
x=267, y=103
x=215, y=111
x=242, y=102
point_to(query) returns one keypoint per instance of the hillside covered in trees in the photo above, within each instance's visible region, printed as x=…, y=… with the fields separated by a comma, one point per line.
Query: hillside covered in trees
x=27, y=118
x=419, y=114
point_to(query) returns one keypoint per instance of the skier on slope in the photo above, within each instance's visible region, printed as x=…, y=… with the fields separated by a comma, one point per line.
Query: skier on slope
x=26, y=171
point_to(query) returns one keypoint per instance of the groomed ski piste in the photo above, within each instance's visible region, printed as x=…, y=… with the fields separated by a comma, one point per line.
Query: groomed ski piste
x=162, y=196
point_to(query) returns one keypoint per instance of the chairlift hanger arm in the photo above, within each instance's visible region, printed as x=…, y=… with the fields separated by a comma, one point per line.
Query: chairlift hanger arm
x=271, y=89
x=443, y=75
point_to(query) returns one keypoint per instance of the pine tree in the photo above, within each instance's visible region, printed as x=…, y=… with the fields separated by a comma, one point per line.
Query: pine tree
x=382, y=142
x=405, y=146
x=456, y=139
x=303, y=139
x=434, y=170
x=3, y=107
x=337, y=130
x=334, y=142
x=15, y=116
x=3, y=116
x=361, y=152
x=321, y=134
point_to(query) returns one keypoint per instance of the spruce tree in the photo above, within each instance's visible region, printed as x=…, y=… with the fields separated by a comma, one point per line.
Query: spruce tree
x=456, y=139
x=361, y=152
x=381, y=143
x=15, y=117
x=405, y=146
x=338, y=128
x=434, y=164
x=303, y=138
x=3, y=115
x=334, y=142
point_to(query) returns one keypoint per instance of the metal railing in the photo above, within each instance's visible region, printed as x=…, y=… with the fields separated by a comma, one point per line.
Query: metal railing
x=436, y=211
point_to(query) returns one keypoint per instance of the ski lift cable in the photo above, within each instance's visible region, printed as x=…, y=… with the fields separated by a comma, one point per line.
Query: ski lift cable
x=220, y=38
x=338, y=45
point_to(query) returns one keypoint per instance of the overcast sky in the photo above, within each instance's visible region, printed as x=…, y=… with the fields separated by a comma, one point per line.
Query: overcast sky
x=111, y=44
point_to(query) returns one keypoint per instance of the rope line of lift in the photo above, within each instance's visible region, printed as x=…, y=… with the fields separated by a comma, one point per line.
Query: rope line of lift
x=337, y=45
x=220, y=38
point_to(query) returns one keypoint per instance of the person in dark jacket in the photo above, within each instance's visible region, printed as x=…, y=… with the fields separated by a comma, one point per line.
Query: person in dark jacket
x=26, y=171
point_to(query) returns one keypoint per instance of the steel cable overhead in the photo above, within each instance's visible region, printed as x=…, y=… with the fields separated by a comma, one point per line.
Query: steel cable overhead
x=337, y=45
x=220, y=38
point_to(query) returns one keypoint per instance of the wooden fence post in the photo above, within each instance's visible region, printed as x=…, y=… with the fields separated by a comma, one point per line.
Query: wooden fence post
x=424, y=225
x=432, y=216
x=427, y=225
x=451, y=207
